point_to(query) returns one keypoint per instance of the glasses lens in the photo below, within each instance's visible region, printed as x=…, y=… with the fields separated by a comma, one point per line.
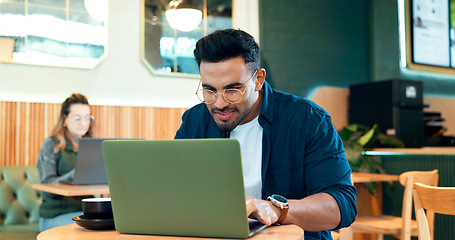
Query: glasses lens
x=87, y=118
x=233, y=95
x=207, y=96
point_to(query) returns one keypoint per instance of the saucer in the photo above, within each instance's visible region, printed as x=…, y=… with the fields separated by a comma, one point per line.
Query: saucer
x=94, y=224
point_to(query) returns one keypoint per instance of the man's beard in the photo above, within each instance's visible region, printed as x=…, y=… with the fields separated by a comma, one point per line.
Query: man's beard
x=227, y=126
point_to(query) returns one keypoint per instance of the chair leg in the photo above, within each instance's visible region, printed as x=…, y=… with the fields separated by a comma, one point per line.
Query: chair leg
x=380, y=237
x=346, y=234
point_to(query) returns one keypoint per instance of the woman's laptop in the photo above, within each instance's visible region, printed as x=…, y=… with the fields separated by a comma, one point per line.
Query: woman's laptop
x=89, y=168
x=178, y=187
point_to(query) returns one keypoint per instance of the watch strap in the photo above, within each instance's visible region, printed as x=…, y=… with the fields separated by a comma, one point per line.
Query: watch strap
x=283, y=205
x=284, y=213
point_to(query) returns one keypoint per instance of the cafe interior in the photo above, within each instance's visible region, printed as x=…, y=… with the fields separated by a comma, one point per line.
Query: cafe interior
x=358, y=59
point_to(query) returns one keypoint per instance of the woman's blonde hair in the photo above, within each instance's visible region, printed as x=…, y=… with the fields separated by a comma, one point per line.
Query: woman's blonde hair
x=60, y=132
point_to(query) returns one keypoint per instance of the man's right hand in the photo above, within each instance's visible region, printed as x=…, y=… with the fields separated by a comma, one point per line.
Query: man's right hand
x=262, y=210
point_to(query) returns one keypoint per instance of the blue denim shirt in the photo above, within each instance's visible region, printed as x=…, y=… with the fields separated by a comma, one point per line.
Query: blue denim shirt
x=302, y=153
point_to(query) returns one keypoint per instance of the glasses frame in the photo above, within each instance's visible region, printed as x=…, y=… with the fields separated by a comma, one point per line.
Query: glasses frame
x=222, y=92
x=87, y=118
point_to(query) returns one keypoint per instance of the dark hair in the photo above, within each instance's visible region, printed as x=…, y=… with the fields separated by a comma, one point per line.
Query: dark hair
x=226, y=44
x=73, y=99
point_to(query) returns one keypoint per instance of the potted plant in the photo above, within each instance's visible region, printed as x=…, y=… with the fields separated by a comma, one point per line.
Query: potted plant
x=356, y=138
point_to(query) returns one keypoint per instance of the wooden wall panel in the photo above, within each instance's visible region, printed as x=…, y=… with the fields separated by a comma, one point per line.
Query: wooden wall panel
x=24, y=126
x=446, y=107
x=335, y=101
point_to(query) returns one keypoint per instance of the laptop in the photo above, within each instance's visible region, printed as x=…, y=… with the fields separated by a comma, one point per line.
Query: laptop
x=189, y=187
x=89, y=168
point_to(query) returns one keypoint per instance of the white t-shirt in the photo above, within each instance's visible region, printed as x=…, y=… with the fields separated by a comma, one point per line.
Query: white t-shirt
x=249, y=136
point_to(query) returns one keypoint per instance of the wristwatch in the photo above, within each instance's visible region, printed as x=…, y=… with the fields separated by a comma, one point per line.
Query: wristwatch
x=282, y=203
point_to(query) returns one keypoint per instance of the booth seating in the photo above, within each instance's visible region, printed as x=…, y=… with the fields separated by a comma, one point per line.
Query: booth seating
x=19, y=203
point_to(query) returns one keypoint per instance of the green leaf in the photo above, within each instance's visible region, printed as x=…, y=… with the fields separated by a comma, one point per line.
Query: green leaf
x=347, y=132
x=369, y=136
x=356, y=138
x=388, y=140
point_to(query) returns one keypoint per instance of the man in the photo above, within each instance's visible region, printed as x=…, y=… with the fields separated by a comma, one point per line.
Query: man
x=288, y=144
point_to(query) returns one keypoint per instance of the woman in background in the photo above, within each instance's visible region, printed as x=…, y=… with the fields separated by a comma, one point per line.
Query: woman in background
x=57, y=159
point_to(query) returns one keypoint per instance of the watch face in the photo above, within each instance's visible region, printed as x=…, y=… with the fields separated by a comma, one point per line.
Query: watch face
x=280, y=198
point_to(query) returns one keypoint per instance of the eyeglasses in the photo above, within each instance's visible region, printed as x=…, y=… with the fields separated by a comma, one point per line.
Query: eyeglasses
x=231, y=95
x=78, y=118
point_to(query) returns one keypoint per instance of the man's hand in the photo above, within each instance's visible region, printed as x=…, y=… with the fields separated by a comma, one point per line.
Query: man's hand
x=262, y=210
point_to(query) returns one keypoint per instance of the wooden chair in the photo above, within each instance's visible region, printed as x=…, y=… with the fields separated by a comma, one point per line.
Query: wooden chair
x=434, y=200
x=343, y=233
x=400, y=227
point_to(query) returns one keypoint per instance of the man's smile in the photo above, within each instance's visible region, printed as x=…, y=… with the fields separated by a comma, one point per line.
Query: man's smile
x=224, y=115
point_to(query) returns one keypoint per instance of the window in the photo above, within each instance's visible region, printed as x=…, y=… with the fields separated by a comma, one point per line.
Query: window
x=52, y=32
x=166, y=50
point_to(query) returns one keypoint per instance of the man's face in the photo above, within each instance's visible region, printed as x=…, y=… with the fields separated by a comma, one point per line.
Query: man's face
x=231, y=74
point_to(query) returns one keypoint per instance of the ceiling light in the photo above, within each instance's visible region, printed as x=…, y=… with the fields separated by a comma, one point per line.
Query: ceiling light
x=185, y=19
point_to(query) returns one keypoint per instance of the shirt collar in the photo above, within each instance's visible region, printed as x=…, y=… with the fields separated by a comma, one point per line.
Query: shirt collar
x=267, y=104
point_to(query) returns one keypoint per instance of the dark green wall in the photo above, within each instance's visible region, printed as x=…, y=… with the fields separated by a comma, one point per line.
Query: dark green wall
x=306, y=44
x=385, y=45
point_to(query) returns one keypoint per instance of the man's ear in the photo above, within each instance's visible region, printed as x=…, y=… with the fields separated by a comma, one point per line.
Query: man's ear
x=260, y=78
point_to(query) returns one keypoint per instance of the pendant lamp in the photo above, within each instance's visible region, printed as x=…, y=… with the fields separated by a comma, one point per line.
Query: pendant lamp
x=182, y=16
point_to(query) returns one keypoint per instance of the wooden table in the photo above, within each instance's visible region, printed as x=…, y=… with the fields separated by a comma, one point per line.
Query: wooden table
x=370, y=204
x=373, y=177
x=72, y=190
x=73, y=232
x=82, y=190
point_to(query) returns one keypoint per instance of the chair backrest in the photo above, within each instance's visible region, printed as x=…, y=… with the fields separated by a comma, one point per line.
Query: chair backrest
x=434, y=200
x=345, y=233
x=407, y=179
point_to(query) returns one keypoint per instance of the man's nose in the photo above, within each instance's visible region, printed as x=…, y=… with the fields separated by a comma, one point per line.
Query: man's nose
x=220, y=102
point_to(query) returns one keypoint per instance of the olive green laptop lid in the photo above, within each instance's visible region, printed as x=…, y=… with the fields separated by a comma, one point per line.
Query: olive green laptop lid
x=177, y=187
